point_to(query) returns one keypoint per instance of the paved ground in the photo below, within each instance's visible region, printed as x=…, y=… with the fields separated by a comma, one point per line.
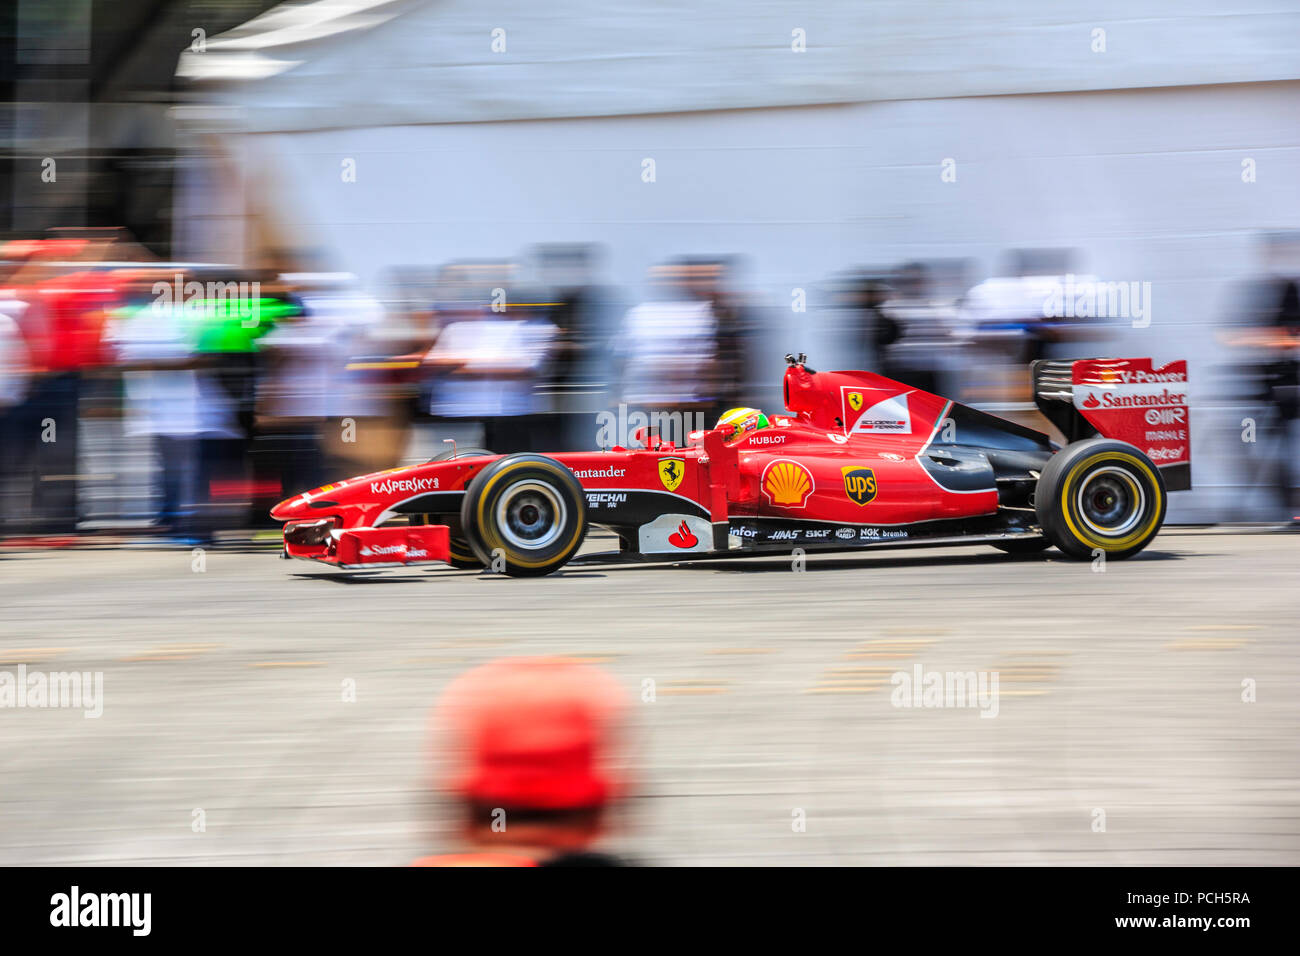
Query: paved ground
x=1120, y=693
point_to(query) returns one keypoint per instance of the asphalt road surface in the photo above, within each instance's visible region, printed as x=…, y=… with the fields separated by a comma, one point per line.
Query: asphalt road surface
x=1121, y=735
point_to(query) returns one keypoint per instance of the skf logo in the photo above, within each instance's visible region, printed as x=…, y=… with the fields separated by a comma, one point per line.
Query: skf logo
x=859, y=484
x=787, y=484
x=671, y=472
x=855, y=401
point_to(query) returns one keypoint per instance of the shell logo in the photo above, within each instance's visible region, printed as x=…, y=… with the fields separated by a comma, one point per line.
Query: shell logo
x=787, y=484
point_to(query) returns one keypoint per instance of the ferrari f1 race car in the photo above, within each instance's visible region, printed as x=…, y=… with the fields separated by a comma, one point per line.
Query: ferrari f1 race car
x=859, y=462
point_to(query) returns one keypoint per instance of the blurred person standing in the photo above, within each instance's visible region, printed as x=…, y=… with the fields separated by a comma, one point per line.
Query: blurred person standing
x=532, y=756
x=153, y=346
x=718, y=282
x=1006, y=325
x=305, y=384
x=578, y=367
x=874, y=330
x=920, y=352
x=62, y=328
x=231, y=315
x=1266, y=338
x=669, y=345
x=14, y=376
x=489, y=364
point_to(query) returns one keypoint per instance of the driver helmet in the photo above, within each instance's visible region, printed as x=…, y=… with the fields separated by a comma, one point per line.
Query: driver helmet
x=738, y=421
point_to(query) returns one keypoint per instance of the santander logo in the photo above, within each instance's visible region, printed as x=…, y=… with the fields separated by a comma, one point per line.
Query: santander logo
x=682, y=537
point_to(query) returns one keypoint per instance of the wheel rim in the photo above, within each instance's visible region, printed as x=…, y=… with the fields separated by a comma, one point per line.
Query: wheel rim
x=1111, y=501
x=530, y=515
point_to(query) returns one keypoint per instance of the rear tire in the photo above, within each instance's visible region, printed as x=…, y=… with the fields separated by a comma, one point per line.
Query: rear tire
x=530, y=510
x=1100, y=495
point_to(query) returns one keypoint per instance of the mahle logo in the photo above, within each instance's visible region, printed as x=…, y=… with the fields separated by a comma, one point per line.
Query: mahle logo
x=859, y=484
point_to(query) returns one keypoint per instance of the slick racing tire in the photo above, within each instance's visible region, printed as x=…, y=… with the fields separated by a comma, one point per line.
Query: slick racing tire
x=1100, y=495
x=1023, y=545
x=460, y=555
x=528, y=509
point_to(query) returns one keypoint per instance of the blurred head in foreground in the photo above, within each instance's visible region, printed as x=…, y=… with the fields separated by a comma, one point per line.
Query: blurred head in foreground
x=533, y=758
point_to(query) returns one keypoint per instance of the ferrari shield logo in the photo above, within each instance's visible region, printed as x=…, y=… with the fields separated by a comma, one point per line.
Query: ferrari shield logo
x=671, y=472
x=859, y=484
x=855, y=401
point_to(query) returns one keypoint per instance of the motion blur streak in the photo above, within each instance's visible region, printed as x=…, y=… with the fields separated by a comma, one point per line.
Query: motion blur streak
x=249, y=250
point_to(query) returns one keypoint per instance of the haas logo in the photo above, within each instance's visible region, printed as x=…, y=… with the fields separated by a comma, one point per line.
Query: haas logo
x=682, y=537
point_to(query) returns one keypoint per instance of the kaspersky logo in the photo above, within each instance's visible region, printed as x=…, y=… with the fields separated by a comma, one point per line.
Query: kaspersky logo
x=390, y=485
x=671, y=472
x=859, y=483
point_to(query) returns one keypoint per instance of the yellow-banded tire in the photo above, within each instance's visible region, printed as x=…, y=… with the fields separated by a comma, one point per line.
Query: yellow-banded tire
x=526, y=514
x=460, y=554
x=1100, y=495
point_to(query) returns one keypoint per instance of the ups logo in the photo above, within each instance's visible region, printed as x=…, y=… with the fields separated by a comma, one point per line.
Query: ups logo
x=859, y=484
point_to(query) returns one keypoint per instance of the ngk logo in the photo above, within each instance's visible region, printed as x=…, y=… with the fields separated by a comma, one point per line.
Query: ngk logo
x=1166, y=416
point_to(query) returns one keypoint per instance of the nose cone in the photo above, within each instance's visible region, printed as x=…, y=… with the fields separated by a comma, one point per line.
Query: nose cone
x=290, y=509
x=309, y=503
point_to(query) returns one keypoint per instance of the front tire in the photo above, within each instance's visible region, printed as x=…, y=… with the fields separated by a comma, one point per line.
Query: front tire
x=460, y=554
x=530, y=510
x=1100, y=495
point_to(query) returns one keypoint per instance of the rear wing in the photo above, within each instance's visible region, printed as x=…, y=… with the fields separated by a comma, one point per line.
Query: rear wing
x=1125, y=399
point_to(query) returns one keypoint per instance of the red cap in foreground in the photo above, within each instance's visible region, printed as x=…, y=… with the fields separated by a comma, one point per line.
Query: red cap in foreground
x=534, y=733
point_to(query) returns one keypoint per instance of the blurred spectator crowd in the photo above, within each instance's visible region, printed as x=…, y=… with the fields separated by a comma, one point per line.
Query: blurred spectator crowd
x=216, y=391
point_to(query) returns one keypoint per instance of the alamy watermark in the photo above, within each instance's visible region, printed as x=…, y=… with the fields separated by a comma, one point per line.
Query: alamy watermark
x=62, y=689
x=941, y=689
x=242, y=300
x=1082, y=297
x=620, y=428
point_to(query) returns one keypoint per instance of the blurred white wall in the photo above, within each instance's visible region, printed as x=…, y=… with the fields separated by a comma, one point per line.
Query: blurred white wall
x=397, y=62
x=1139, y=172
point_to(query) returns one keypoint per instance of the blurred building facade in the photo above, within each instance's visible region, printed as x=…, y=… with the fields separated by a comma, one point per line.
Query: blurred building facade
x=807, y=141
x=384, y=137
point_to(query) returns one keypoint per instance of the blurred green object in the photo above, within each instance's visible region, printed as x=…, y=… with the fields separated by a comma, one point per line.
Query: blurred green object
x=225, y=325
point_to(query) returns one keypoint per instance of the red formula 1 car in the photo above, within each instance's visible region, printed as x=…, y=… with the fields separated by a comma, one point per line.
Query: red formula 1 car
x=860, y=462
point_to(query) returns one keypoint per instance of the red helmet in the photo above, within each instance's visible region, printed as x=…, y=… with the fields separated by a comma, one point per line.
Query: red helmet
x=534, y=733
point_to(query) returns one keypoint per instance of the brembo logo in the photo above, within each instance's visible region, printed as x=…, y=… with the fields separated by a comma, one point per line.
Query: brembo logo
x=391, y=485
